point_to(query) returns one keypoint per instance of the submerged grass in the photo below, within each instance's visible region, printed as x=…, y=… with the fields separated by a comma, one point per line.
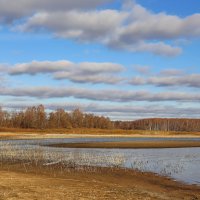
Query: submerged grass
x=40, y=158
x=58, y=160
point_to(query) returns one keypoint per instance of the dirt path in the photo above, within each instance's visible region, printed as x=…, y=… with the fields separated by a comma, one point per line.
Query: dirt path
x=92, y=185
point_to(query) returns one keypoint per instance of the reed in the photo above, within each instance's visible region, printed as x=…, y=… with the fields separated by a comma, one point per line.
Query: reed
x=40, y=157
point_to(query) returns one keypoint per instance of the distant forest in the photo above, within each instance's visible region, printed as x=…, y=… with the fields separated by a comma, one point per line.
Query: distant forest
x=37, y=118
x=161, y=124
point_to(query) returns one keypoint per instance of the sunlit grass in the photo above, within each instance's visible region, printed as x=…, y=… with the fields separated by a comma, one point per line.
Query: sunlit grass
x=93, y=131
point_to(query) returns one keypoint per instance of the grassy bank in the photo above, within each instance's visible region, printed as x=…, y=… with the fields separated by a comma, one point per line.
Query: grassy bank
x=6, y=133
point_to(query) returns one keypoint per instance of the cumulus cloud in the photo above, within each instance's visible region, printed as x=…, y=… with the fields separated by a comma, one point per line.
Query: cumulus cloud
x=85, y=26
x=127, y=112
x=138, y=80
x=189, y=80
x=99, y=95
x=37, y=67
x=144, y=24
x=157, y=48
x=132, y=28
x=135, y=29
x=92, y=73
x=23, y=8
x=142, y=111
x=85, y=72
x=80, y=78
x=107, y=73
x=104, y=26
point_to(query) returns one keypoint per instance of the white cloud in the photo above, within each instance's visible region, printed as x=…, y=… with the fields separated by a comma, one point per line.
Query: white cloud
x=85, y=26
x=94, y=79
x=116, y=111
x=188, y=80
x=85, y=72
x=99, y=95
x=107, y=73
x=92, y=73
x=24, y=8
x=36, y=67
x=133, y=29
x=157, y=48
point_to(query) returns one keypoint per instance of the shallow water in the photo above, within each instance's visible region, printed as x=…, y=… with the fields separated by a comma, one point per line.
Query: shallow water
x=179, y=163
x=93, y=139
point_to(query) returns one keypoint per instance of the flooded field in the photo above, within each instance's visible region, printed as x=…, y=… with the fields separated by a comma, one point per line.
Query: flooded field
x=179, y=163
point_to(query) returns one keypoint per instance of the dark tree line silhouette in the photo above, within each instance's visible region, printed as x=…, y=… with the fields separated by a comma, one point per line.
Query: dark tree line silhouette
x=37, y=118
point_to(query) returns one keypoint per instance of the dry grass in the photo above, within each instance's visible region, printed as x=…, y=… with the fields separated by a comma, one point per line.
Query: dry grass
x=92, y=131
x=104, y=184
x=39, y=157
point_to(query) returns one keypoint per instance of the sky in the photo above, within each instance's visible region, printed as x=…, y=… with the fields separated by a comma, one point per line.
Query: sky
x=123, y=59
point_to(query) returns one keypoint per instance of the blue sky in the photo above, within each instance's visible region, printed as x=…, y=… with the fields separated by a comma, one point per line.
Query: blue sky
x=123, y=59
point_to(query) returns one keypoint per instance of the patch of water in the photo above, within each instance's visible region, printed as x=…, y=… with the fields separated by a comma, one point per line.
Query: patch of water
x=179, y=163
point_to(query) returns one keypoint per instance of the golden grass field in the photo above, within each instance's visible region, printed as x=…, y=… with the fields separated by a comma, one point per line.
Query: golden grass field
x=6, y=133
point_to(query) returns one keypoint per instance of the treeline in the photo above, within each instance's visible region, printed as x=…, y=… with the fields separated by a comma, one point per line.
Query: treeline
x=160, y=124
x=38, y=118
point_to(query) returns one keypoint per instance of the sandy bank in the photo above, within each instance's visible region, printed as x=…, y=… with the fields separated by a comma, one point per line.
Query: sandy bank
x=99, y=184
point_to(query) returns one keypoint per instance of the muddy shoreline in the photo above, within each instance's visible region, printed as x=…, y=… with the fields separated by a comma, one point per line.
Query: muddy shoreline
x=18, y=182
x=22, y=180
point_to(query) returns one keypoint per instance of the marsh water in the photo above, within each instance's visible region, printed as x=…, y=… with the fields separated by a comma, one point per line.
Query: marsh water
x=181, y=164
